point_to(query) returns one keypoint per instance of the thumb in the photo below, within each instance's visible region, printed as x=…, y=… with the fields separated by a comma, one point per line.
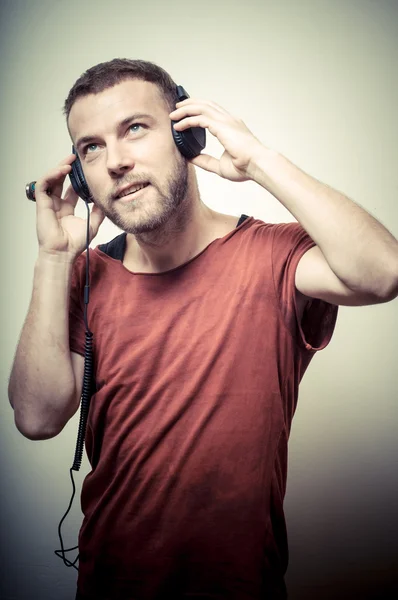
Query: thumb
x=207, y=162
x=96, y=218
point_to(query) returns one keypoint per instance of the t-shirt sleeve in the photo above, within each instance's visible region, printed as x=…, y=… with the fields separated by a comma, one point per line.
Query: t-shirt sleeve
x=77, y=326
x=290, y=242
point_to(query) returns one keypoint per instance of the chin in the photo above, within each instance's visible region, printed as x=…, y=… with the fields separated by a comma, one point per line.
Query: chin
x=146, y=221
x=149, y=214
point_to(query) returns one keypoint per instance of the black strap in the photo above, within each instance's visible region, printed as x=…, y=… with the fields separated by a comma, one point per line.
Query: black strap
x=117, y=247
x=242, y=218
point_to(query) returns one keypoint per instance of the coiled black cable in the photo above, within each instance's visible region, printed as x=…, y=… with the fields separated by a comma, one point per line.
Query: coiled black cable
x=87, y=390
x=85, y=400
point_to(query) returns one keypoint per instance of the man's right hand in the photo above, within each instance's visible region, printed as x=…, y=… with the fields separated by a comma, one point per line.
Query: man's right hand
x=58, y=230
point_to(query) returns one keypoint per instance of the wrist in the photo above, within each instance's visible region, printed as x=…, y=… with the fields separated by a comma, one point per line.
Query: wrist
x=263, y=164
x=55, y=266
x=50, y=257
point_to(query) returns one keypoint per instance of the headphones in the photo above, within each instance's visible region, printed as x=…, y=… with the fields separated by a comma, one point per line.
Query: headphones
x=189, y=142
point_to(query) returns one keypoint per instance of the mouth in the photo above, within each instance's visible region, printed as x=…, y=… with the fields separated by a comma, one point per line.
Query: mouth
x=131, y=191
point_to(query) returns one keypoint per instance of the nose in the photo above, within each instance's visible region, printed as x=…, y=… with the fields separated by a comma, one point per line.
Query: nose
x=119, y=159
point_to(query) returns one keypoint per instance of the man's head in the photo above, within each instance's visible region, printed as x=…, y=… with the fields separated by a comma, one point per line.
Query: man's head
x=118, y=119
x=107, y=74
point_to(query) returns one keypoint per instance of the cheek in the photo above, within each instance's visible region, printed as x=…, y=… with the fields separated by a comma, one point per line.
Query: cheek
x=99, y=184
x=93, y=182
x=164, y=146
x=160, y=160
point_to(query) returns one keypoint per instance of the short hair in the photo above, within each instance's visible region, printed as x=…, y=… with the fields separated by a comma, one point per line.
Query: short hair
x=107, y=74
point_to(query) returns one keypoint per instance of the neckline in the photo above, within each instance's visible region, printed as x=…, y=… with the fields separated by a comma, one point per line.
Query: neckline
x=121, y=239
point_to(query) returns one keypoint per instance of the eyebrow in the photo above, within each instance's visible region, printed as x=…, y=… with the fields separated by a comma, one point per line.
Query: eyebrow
x=86, y=139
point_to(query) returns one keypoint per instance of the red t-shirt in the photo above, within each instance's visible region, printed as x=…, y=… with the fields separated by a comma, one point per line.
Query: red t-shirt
x=197, y=372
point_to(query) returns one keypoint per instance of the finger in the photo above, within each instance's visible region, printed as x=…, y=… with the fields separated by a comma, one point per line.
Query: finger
x=199, y=121
x=194, y=121
x=68, y=203
x=197, y=109
x=51, y=185
x=207, y=162
x=96, y=218
x=71, y=197
x=193, y=101
x=52, y=182
x=68, y=160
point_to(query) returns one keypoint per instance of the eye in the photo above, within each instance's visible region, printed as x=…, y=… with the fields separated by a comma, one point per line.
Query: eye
x=135, y=127
x=90, y=148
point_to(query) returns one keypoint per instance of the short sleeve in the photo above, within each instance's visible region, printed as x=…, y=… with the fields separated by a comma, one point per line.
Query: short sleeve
x=77, y=326
x=290, y=242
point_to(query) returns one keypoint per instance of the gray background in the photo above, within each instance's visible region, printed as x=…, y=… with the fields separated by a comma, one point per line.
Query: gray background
x=317, y=81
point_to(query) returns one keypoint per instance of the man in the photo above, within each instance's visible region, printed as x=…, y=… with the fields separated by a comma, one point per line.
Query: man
x=203, y=324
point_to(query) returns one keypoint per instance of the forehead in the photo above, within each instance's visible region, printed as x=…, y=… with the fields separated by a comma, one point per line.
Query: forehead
x=96, y=111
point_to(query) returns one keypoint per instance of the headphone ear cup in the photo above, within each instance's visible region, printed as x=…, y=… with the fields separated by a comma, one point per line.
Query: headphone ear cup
x=78, y=180
x=189, y=142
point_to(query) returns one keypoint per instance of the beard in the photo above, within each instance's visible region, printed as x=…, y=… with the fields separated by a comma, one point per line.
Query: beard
x=161, y=207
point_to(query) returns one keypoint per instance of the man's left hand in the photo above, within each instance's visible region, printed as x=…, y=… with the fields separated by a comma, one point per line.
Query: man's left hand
x=242, y=148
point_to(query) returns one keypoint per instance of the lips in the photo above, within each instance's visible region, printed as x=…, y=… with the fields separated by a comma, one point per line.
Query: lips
x=131, y=190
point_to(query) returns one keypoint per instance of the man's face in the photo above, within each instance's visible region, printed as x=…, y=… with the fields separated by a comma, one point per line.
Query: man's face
x=128, y=142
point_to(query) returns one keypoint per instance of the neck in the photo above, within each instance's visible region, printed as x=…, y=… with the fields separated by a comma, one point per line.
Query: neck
x=184, y=235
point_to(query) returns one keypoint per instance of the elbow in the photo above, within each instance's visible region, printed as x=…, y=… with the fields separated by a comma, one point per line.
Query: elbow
x=391, y=291
x=32, y=423
x=33, y=432
x=36, y=435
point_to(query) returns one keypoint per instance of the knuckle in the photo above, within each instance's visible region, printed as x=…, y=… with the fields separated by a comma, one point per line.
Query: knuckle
x=39, y=184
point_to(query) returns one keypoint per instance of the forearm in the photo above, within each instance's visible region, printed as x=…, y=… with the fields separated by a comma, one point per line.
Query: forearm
x=42, y=379
x=359, y=250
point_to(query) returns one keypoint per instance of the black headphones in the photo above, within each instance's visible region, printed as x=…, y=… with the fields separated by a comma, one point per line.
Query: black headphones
x=189, y=142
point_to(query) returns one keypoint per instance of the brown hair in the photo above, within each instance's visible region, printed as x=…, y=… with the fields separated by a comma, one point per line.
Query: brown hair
x=107, y=74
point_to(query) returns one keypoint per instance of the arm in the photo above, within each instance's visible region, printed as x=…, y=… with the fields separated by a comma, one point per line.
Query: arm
x=356, y=254
x=358, y=249
x=42, y=387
